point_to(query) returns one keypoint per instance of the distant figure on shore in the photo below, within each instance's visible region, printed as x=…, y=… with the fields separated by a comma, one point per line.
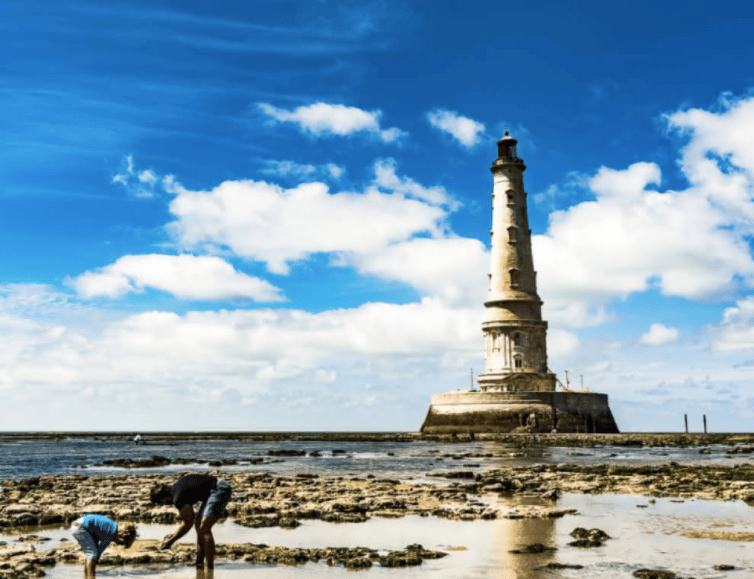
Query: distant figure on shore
x=137, y=439
x=94, y=533
x=214, y=496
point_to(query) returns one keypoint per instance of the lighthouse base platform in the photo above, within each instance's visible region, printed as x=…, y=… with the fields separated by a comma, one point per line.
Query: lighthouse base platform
x=472, y=412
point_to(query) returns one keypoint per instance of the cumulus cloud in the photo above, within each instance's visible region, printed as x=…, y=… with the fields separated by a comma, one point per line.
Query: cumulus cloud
x=463, y=129
x=459, y=277
x=202, y=356
x=561, y=343
x=736, y=330
x=632, y=236
x=185, y=276
x=325, y=120
x=265, y=222
x=659, y=334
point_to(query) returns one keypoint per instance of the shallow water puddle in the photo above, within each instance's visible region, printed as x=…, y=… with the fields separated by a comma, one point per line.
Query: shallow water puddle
x=654, y=536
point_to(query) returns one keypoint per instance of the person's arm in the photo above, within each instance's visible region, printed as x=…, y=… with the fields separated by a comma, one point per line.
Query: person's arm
x=186, y=515
x=101, y=546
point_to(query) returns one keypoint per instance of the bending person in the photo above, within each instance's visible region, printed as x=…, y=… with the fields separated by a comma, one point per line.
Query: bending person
x=94, y=533
x=214, y=496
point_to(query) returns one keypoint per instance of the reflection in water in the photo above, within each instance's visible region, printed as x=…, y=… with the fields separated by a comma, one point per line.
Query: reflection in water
x=522, y=533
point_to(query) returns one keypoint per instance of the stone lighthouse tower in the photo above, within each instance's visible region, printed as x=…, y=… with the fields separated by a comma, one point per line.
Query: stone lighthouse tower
x=515, y=336
x=516, y=390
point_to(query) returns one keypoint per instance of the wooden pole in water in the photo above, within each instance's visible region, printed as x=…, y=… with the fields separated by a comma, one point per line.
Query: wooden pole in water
x=686, y=422
x=704, y=417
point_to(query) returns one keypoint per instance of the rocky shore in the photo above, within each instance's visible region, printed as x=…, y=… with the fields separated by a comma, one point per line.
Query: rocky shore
x=269, y=500
x=649, y=439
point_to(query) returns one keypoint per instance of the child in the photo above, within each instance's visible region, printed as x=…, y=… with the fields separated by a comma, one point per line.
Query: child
x=94, y=533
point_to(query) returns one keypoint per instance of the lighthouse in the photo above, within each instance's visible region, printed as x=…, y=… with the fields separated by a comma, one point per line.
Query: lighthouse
x=516, y=390
x=515, y=336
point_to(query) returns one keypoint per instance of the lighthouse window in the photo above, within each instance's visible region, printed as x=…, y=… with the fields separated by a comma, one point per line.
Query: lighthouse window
x=513, y=234
x=514, y=273
x=518, y=362
x=509, y=194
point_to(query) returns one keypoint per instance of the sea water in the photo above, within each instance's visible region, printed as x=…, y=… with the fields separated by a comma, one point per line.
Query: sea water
x=27, y=456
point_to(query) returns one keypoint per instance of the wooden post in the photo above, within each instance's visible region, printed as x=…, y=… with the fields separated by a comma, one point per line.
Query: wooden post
x=704, y=417
x=686, y=422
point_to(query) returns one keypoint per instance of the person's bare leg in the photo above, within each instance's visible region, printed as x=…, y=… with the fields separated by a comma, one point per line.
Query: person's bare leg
x=90, y=569
x=199, y=544
x=208, y=541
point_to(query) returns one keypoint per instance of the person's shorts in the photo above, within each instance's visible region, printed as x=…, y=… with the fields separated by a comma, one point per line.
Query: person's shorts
x=88, y=545
x=216, y=503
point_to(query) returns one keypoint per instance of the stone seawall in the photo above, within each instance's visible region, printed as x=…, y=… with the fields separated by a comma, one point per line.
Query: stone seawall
x=472, y=412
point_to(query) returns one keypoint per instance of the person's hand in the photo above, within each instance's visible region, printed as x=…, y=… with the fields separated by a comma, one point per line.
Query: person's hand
x=166, y=544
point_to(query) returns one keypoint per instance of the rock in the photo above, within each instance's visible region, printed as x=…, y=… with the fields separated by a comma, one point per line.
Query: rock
x=562, y=566
x=740, y=450
x=724, y=567
x=597, y=536
x=357, y=563
x=537, y=512
x=654, y=574
x=533, y=548
x=286, y=452
x=551, y=494
x=152, y=462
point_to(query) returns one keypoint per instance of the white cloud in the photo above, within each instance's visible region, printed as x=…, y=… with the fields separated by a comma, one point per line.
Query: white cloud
x=659, y=334
x=185, y=276
x=126, y=172
x=273, y=167
x=324, y=119
x=265, y=222
x=453, y=269
x=465, y=130
x=561, y=343
x=336, y=171
x=736, y=330
x=163, y=361
x=148, y=176
x=719, y=144
x=299, y=170
x=690, y=243
x=141, y=184
x=385, y=177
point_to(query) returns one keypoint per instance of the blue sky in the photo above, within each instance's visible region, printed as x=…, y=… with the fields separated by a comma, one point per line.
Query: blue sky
x=275, y=215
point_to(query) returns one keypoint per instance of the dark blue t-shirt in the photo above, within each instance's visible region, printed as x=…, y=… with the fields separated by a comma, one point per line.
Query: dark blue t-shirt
x=192, y=488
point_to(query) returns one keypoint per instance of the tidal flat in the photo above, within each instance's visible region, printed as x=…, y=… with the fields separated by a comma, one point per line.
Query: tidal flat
x=476, y=509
